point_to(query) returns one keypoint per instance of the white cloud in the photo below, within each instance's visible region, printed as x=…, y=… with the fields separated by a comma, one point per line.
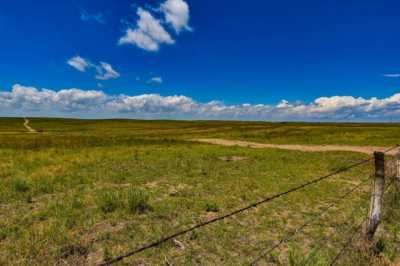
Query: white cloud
x=30, y=99
x=22, y=100
x=139, y=39
x=283, y=104
x=176, y=13
x=105, y=72
x=79, y=63
x=394, y=75
x=152, y=27
x=148, y=34
x=155, y=80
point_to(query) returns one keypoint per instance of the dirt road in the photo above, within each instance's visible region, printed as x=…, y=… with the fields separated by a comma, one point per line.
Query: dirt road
x=297, y=147
x=28, y=127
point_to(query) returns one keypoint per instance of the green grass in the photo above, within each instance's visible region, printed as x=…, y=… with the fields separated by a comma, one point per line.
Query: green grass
x=109, y=201
x=84, y=191
x=138, y=201
x=86, y=133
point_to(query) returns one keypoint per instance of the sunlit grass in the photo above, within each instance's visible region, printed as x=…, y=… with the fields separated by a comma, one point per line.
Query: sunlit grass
x=81, y=192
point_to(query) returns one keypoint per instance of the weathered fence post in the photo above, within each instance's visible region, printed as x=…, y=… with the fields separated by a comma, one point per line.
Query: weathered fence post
x=397, y=162
x=376, y=197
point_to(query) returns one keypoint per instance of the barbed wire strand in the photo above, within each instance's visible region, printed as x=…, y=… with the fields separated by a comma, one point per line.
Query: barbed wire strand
x=351, y=238
x=311, y=221
x=391, y=148
x=250, y=206
x=325, y=238
x=348, y=243
x=293, y=233
x=299, y=229
x=351, y=215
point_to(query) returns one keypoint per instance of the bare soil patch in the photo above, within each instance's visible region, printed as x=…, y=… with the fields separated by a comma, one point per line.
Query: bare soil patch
x=28, y=127
x=297, y=147
x=232, y=158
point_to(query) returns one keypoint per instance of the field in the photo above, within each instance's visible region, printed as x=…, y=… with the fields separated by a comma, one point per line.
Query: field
x=80, y=192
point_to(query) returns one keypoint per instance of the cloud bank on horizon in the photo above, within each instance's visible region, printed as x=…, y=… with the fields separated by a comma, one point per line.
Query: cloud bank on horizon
x=30, y=101
x=203, y=62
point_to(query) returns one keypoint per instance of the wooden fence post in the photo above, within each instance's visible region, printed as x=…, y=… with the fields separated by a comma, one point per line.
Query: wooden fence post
x=376, y=197
x=397, y=161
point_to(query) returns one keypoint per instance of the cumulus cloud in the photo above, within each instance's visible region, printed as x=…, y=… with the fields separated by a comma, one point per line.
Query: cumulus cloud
x=155, y=80
x=176, y=13
x=148, y=34
x=30, y=99
x=105, y=72
x=96, y=104
x=79, y=63
x=99, y=18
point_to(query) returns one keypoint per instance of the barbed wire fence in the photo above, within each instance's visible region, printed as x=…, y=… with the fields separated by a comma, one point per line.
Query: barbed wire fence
x=390, y=170
x=383, y=170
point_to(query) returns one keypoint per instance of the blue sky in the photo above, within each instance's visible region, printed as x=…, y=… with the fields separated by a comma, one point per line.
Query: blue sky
x=234, y=52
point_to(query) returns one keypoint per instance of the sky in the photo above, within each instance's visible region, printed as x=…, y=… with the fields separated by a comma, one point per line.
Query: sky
x=283, y=60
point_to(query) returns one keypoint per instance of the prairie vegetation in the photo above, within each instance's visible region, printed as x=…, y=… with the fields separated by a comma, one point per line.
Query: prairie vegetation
x=82, y=191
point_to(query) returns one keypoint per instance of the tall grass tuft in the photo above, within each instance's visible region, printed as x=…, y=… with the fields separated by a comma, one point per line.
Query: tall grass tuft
x=109, y=201
x=212, y=207
x=138, y=201
x=20, y=185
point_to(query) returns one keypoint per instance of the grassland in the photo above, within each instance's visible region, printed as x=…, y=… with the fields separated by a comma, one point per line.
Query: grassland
x=82, y=191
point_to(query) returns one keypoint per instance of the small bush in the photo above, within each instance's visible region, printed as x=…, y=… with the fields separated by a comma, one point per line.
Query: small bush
x=109, y=201
x=138, y=201
x=20, y=185
x=212, y=207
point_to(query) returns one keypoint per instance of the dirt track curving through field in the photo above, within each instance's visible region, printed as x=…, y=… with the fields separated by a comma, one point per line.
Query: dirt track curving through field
x=297, y=147
x=28, y=127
